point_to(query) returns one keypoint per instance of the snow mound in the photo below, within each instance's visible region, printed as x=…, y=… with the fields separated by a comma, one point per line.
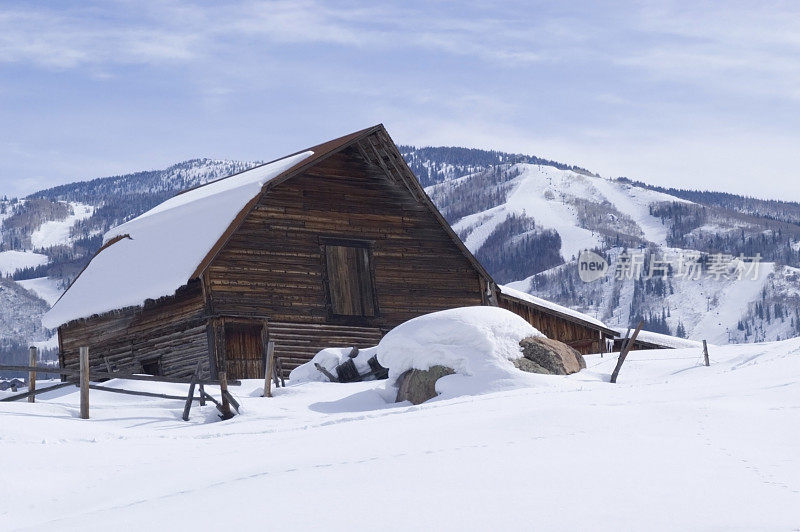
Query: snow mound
x=329, y=358
x=479, y=343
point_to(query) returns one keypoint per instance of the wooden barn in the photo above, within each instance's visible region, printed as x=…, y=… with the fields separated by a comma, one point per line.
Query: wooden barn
x=331, y=246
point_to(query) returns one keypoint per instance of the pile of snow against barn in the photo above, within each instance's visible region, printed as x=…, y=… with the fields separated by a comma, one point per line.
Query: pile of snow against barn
x=331, y=246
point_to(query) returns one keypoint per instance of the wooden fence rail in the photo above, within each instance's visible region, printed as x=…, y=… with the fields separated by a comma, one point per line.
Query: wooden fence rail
x=85, y=376
x=99, y=375
x=38, y=391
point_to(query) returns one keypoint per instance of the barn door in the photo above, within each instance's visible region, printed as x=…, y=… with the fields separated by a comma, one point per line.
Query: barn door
x=243, y=350
x=349, y=280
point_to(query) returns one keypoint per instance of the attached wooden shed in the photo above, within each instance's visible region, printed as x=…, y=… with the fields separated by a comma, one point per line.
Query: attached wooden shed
x=331, y=246
x=576, y=329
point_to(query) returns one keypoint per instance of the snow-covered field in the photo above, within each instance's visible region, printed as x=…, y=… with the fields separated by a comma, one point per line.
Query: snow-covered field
x=12, y=260
x=674, y=445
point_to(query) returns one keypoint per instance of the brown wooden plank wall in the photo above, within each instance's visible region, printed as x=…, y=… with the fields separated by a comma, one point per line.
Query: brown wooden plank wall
x=273, y=265
x=173, y=328
x=297, y=343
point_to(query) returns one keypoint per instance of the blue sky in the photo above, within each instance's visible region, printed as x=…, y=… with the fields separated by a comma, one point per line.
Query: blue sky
x=677, y=93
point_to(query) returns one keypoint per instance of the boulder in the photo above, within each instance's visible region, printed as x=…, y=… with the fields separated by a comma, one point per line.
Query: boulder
x=417, y=385
x=543, y=355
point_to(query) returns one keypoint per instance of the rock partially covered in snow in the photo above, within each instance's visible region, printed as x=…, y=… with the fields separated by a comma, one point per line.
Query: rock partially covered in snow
x=478, y=343
x=417, y=386
x=543, y=355
x=330, y=358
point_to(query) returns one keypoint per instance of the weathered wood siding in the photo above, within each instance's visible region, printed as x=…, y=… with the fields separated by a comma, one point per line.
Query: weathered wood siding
x=173, y=328
x=273, y=266
x=298, y=342
x=583, y=338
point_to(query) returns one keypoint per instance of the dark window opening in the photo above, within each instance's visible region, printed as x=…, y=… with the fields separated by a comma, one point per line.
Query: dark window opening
x=349, y=280
x=152, y=366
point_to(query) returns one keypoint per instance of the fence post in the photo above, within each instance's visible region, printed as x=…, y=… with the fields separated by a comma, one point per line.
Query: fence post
x=32, y=374
x=190, y=397
x=84, y=382
x=705, y=353
x=601, y=343
x=269, y=369
x=223, y=388
x=624, y=354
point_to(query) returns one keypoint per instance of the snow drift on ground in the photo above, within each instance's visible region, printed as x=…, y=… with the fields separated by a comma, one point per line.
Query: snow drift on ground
x=160, y=250
x=477, y=342
x=673, y=446
x=329, y=358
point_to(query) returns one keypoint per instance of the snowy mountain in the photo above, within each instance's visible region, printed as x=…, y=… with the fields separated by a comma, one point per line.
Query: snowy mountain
x=524, y=217
x=528, y=223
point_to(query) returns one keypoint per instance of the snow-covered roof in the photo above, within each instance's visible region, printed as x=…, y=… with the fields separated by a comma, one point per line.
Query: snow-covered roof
x=157, y=252
x=662, y=339
x=524, y=296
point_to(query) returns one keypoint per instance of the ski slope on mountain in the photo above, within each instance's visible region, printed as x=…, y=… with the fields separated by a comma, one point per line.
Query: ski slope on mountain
x=45, y=287
x=555, y=199
x=539, y=192
x=57, y=232
x=588, y=212
x=13, y=260
x=708, y=308
x=674, y=445
x=635, y=202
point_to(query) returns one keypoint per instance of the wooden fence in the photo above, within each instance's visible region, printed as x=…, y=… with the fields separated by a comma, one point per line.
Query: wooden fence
x=84, y=378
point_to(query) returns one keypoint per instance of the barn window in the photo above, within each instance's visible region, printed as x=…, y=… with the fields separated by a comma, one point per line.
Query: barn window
x=349, y=279
x=152, y=366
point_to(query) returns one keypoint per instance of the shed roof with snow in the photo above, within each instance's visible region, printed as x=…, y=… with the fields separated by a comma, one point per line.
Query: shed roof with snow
x=653, y=340
x=155, y=253
x=549, y=306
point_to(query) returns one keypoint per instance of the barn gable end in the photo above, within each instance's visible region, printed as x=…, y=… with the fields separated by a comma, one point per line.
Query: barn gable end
x=276, y=265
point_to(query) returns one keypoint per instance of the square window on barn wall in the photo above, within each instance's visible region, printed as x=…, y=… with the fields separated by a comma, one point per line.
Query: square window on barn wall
x=349, y=283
